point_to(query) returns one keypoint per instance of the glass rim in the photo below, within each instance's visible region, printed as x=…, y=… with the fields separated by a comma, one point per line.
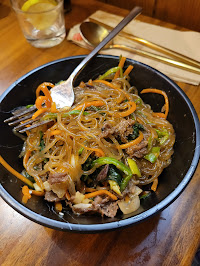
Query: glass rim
x=18, y=9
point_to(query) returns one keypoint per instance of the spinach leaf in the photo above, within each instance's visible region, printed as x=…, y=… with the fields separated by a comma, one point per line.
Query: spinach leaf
x=136, y=128
x=114, y=174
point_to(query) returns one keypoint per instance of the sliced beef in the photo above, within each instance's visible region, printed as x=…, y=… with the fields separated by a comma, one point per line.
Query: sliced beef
x=105, y=207
x=107, y=130
x=130, y=188
x=51, y=196
x=103, y=173
x=120, y=131
x=124, y=129
x=109, y=209
x=138, y=150
x=101, y=205
x=57, y=178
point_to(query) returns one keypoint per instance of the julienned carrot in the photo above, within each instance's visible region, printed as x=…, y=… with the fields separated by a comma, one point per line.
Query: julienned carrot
x=166, y=100
x=88, y=104
x=55, y=132
x=113, y=87
x=82, y=84
x=53, y=108
x=133, y=142
x=26, y=194
x=39, y=112
x=100, y=192
x=159, y=115
x=129, y=111
x=128, y=70
x=155, y=184
x=43, y=87
x=42, y=99
x=58, y=206
x=14, y=172
x=99, y=152
x=67, y=195
x=121, y=64
x=36, y=193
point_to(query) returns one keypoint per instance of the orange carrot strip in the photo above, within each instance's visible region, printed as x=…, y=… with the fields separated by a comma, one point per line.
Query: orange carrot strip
x=129, y=111
x=159, y=115
x=97, y=150
x=53, y=108
x=67, y=195
x=43, y=87
x=128, y=70
x=90, y=82
x=133, y=142
x=42, y=99
x=88, y=104
x=55, y=132
x=121, y=64
x=39, y=112
x=113, y=87
x=100, y=192
x=14, y=172
x=82, y=84
x=26, y=194
x=162, y=93
x=26, y=156
x=58, y=206
x=155, y=184
x=36, y=193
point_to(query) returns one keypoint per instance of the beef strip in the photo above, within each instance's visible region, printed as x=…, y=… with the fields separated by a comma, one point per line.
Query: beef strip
x=138, y=150
x=105, y=207
x=107, y=130
x=122, y=130
x=100, y=205
x=109, y=209
x=57, y=178
x=103, y=173
x=51, y=196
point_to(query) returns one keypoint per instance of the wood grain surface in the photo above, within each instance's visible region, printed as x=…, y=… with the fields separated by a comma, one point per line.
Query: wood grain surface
x=184, y=13
x=169, y=238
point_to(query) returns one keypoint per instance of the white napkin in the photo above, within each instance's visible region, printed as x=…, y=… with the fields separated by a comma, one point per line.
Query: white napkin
x=184, y=42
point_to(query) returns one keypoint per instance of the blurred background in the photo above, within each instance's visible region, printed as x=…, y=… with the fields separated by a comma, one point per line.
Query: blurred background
x=184, y=13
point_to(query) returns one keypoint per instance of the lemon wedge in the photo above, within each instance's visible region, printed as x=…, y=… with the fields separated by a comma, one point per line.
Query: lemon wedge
x=40, y=13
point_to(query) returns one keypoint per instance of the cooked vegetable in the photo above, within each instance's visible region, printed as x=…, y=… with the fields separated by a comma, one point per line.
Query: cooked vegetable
x=153, y=155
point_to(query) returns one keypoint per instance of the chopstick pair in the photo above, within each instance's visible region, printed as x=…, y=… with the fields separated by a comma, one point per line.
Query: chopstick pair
x=178, y=60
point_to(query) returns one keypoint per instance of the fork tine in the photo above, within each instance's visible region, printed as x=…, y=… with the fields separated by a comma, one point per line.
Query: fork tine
x=20, y=120
x=35, y=125
x=17, y=128
x=14, y=117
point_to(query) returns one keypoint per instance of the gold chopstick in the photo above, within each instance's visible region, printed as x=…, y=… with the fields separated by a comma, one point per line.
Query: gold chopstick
x=158, y=48
x=159, y=58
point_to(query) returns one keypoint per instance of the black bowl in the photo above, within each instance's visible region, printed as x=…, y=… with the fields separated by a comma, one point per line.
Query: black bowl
x=171, y=182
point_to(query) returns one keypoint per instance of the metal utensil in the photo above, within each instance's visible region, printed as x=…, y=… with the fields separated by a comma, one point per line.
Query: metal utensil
x=63, y=94
x=156, y=47
x=93, y=33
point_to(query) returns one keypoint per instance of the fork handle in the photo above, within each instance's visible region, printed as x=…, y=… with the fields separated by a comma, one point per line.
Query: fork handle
x=134, y=12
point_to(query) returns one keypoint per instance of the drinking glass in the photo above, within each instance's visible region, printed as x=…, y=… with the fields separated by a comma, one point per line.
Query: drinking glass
x=42, y=22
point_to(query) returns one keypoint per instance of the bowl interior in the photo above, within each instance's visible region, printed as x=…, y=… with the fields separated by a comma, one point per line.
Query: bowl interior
x=171, y=182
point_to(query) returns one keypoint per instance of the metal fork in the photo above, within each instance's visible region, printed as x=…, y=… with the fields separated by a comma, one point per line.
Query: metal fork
x=63, y=94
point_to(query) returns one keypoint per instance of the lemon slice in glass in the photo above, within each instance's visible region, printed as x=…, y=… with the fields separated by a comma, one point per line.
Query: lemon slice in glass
x=40, y=13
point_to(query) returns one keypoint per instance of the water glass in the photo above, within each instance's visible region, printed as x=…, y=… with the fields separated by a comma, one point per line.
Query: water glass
x=42, y=21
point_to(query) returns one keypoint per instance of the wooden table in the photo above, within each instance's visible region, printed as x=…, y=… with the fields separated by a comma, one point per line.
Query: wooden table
x=169, y=238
